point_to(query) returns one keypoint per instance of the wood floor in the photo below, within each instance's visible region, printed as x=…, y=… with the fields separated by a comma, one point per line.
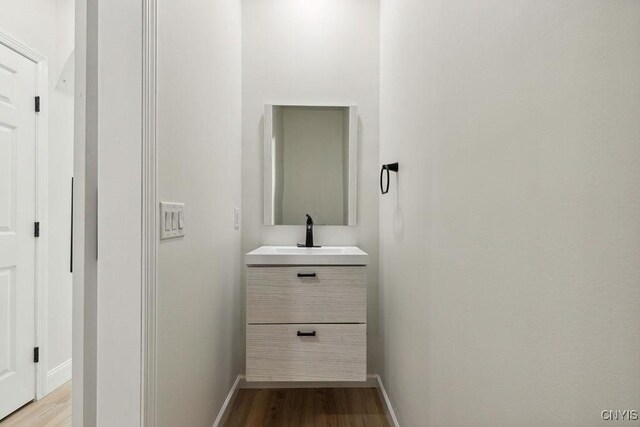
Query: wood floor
x=307, y=407
x=53, y=410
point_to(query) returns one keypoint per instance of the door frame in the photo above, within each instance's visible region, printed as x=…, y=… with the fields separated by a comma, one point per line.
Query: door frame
x=41, y=170
x=150, y=213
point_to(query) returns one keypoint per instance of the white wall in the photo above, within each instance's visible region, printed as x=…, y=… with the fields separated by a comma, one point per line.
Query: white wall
x=59, y=290
x=312, y=53
x=510, y=240
x=117, y=79
x=199, y=321
x=85, y=224
x=48, y=27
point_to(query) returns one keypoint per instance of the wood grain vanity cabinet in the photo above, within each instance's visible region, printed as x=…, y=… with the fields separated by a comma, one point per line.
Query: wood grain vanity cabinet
x=306, y=323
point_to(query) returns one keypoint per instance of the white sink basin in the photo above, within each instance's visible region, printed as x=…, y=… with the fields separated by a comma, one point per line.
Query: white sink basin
x=293, y=250
x=292, y=255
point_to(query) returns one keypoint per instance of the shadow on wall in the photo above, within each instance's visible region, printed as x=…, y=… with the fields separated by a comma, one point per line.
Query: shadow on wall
x=66, y=81
x=398, y=214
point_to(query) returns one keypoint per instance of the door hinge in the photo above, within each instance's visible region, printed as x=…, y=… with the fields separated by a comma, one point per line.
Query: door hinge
x=36, y=354
x=37, y=104
x=36, y=229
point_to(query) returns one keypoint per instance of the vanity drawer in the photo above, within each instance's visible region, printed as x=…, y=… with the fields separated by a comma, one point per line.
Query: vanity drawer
x=327, y=294
x=333, y=353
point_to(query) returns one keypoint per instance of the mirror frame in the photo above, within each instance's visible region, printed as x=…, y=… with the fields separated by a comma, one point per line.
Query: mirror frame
x=352, y=198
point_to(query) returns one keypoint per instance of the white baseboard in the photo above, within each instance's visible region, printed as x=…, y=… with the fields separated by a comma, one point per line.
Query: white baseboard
x=391, y=415
x=58, y=376
x=373, y=381
x=228, y=402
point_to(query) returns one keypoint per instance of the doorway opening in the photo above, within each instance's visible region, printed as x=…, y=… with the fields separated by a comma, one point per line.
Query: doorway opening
x=37, y=68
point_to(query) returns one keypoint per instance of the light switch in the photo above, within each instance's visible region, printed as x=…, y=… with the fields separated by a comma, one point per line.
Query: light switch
x=174, y=220
x=236, y=218
x=173, y=216
x=167, y=221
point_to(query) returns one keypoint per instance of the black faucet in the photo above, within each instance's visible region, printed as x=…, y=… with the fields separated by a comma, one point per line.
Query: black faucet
x=309, y=240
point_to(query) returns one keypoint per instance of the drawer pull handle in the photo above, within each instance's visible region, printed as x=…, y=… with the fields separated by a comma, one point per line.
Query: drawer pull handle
x=306, y=274
x=307, y=334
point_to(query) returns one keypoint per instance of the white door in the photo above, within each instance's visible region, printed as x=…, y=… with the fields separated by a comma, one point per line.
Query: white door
x=17, y=242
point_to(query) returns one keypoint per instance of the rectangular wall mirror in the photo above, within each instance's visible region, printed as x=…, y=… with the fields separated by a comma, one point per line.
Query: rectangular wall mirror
x=310, y=164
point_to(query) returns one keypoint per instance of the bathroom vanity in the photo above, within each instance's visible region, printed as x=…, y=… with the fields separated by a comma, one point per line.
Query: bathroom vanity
x=306, y=314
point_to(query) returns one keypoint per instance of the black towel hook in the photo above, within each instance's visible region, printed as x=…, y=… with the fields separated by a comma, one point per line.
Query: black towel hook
x=393, y=167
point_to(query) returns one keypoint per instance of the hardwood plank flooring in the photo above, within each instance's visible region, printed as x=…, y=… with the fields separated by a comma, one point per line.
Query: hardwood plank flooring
x=53, y=410
x=307, y=407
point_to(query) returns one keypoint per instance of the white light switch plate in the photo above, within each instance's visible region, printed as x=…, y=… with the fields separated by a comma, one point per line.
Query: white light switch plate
x=172, y=220
x=236, y=218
